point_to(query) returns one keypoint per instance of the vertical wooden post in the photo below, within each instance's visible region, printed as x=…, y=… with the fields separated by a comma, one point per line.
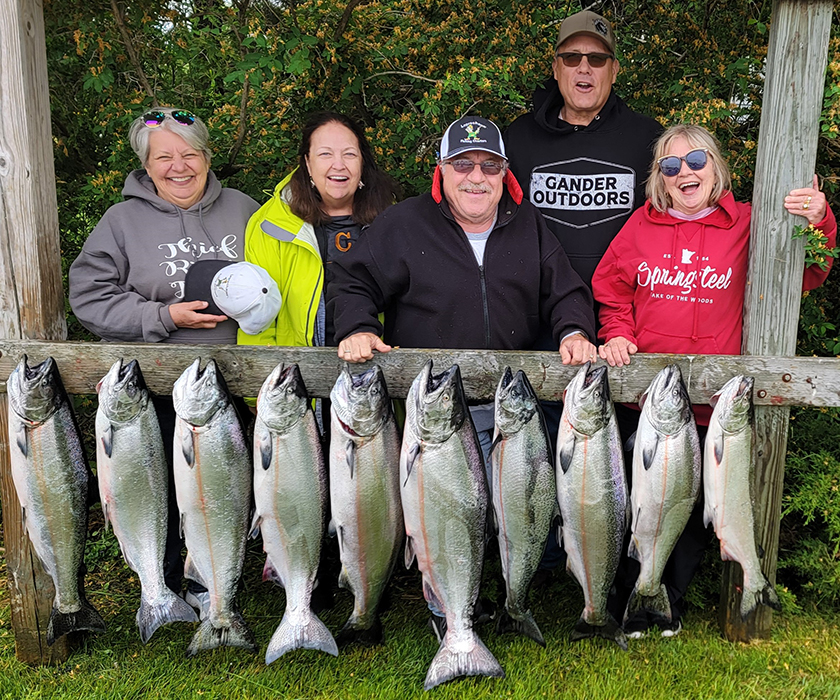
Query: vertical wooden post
x=31, y=297
x=787, y=148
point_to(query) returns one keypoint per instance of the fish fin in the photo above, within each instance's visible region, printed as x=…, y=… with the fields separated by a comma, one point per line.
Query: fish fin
x=106, y=515
x=633, y=550
x=255, y=526
x=409, y=553
x=266, y=453
x=331, y=531
x=713, y=400
x=236, y=634
x=308, y=633
x=351, y=633
x=270, y=573
x=22, y=439
x=344, y=580
x=413, y=454
x=191, y=572
x=719, y=448
x=171, y=608
x=657, y=606
x=567, y=452
x=86, y=618
x=339, y=531
x=350, y=455
x=520, y=623
x=450, y=663
x=497, y=440
x=766, y=595
x=188, y=447
x=649, y=452
x=631, y=442
x=708, y=514
x=609, y=630
x=431, y=596
x=108, y=440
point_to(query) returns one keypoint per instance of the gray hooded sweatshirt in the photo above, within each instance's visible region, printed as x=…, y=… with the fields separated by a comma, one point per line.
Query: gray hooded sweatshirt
x=134, y=262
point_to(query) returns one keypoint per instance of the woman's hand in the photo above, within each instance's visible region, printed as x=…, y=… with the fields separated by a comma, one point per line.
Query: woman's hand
x=184, y=315
x=808, y=202
x=616, y=351
x=359, y=347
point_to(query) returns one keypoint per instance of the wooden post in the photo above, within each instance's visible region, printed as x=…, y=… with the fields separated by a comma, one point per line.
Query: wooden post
x=787, y=148
x=31, y=297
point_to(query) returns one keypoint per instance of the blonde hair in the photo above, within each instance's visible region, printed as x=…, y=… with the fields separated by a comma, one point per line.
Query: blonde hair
x=696, y=137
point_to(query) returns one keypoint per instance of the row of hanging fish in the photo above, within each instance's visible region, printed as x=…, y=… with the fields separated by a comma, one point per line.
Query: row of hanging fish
x=431, y=486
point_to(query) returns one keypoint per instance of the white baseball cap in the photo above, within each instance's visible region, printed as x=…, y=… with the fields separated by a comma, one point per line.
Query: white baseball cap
x=248, y=294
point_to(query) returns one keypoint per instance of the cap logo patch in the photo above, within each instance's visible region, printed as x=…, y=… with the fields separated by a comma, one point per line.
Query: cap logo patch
x=472, y=129
x=222, y=285
x=601, y=27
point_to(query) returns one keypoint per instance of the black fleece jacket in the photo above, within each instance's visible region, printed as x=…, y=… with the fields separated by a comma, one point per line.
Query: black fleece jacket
x=415, y=264
x=586, y=180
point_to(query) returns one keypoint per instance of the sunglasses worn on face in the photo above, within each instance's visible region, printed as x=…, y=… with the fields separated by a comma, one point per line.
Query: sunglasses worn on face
x=488, y=167
x=155, y=118
x=670, y=166
x=572, y=59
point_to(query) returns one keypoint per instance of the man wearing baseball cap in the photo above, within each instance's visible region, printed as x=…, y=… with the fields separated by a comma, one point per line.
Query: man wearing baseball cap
x=468, y=265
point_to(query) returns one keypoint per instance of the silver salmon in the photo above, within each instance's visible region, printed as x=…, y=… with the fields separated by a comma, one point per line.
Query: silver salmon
x=444, y=496
x=213, y=477
x=592, y=491
x=50, y=473
x=666, y=483
x=524, y=495
x=727, y=489
x=290, y=491
x=133, y=487
x=365, y=495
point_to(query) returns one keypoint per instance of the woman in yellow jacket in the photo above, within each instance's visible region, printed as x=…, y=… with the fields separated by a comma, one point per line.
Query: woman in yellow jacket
x=315, y=215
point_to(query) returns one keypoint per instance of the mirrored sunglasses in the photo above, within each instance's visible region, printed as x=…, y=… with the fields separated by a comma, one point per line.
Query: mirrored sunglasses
x=488, y=167
x=572, y=59
x=155, y=118
x=671, y=165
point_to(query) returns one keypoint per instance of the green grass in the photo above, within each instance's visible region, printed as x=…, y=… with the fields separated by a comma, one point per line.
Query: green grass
x=802, y=660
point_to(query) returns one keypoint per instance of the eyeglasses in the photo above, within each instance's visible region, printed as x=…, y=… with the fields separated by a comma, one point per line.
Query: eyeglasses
x=671, y=165
x=155, y=118
x=488, y=167
x=572, y=59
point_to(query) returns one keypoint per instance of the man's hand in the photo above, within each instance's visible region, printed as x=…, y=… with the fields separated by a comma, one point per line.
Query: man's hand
x=617, y=351
x=359, y=347
x=184, y=315
x=576, y=349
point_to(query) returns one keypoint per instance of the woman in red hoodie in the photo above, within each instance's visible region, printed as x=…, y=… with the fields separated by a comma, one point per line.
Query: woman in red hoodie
x=673, y=281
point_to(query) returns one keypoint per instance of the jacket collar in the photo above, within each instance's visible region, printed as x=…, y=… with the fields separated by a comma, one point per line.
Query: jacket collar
x=725, y=216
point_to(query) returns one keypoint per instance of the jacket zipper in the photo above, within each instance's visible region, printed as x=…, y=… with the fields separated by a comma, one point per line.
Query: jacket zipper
x=485, y=305
x=311, y=302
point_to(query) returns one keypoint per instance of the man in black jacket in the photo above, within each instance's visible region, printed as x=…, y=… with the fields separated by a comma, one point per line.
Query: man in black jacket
x=582, y=155
x=469, y=265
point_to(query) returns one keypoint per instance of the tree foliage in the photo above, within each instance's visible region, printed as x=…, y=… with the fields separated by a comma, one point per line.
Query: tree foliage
x=253, y=69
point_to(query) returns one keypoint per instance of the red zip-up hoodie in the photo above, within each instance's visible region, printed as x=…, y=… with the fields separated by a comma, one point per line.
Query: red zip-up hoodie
x=674, y=286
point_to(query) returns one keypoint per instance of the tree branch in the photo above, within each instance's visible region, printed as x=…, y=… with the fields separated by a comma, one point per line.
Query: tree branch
x=345, y=18
x=402, y=72
x=132, y=54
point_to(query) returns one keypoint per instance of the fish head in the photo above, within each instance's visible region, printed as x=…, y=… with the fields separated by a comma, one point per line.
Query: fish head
x=733, y=404
x=587, y=403
x=361, y=402
x=667, y=402
x=122, y=392
x=516, y=402
x=440, y=405
x=283, y=399
x=198, y=394
x=35, y=391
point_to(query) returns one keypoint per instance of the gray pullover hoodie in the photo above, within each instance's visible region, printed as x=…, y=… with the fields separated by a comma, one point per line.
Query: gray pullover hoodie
x=134, y=262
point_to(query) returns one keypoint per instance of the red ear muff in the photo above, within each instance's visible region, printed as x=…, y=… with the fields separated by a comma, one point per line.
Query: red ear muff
x=436, y=180
x=513, y=187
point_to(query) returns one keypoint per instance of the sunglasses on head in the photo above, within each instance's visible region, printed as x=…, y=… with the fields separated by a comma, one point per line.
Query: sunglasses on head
x=572, y=59
x=155, y=118
x=488, y=167
x=671, y=165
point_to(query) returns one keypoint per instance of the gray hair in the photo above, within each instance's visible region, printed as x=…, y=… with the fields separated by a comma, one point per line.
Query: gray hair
x=194, y=134
x=696, y=137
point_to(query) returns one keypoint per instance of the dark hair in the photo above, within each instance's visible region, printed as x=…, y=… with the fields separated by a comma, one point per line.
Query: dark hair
x=380, y=190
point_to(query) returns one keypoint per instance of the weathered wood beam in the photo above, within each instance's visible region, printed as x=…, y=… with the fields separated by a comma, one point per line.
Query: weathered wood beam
x=793, y=381
x=31, y=297
x=787, y=149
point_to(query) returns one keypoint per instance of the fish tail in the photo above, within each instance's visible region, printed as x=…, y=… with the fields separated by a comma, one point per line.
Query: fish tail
x=449, y=663
x=85, y=618
x=520, y=622
x=355, y=632
x=658, y=606
x=766, y=595
x=307, y=633
x=609, y=630
x=169, y=608
x=236, y=634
